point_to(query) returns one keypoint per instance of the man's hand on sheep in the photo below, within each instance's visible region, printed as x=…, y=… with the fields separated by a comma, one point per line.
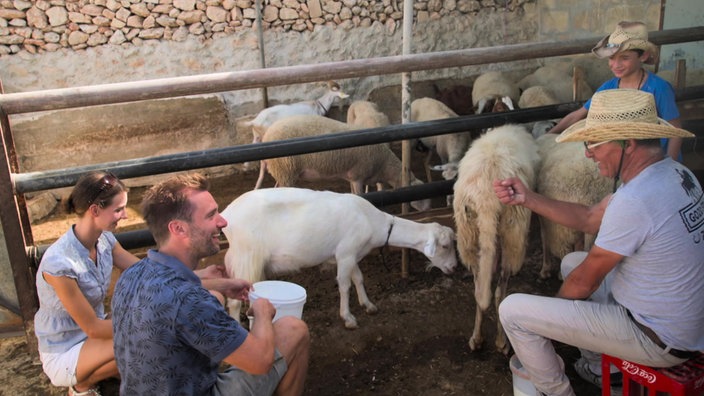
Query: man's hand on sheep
x=510, y=191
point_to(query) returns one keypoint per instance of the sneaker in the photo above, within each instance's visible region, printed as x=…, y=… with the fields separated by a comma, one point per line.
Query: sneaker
x=581, y=366
x=90, y=392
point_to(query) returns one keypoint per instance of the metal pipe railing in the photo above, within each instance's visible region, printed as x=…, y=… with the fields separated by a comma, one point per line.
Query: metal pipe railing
x=64, y=98
x=37, y=181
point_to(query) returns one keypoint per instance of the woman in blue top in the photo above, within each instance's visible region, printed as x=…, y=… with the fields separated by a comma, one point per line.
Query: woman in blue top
x=74, y=332
x=627, y=49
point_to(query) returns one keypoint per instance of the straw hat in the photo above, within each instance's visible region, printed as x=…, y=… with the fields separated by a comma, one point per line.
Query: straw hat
x=627, y=36
x=621, y=114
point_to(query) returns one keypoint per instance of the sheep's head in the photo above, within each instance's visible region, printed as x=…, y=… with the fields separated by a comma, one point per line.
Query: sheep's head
x=495, y=104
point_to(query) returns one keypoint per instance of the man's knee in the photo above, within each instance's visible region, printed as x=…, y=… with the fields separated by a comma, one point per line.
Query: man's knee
x=570, y=262
x=510, y=306
x=293, y=331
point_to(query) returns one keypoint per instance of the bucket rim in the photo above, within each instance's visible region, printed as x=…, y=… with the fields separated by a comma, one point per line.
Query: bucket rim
x=300, y=296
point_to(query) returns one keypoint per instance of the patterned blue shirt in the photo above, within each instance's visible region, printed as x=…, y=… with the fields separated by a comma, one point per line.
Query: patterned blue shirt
x=170, y=333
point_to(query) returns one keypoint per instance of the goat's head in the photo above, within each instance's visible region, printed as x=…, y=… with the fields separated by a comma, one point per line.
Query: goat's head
x=335, y=87
x=440, y=248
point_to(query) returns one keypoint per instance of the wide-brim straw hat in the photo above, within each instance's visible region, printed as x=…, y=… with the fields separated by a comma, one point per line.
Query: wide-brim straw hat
x=627, y=36
x=621, y=114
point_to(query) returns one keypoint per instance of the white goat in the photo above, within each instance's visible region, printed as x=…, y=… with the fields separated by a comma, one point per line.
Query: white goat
x=487, y=229
x=493, y=92
x=361, y=166
x=566, y=174
x=450, y=147
x=281, y=230
x=320, y=106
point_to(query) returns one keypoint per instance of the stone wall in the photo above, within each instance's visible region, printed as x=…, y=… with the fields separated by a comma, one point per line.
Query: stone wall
x=48, y=25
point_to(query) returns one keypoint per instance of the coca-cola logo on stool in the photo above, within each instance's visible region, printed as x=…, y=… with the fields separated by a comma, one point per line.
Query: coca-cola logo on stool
x=634, y=370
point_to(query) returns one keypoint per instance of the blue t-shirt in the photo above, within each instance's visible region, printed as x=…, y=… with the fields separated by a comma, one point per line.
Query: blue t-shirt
x=170, y=333
x=661, y=90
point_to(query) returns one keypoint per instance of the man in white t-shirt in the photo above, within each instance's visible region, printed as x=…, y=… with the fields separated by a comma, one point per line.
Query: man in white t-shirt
x=638, y=293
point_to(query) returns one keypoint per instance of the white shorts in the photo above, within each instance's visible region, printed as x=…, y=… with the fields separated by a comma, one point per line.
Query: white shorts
x=61, y=367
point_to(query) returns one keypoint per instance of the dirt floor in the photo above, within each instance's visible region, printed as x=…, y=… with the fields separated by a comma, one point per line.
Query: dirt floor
x=417, y=344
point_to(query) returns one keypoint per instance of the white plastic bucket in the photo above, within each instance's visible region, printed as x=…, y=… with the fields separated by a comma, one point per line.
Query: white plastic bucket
x=288, y=298
x=521, y=382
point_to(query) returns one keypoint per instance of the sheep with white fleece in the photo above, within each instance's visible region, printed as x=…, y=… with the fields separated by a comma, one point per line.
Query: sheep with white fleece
x=493, y=92
x=320, y=106
x=361, y=114
x=450, y=147
x=361, y=165
x=536, y=96
x=281, y=230
x=564, y=86
x=566, y=174
x=487, y=229
x=364, y=114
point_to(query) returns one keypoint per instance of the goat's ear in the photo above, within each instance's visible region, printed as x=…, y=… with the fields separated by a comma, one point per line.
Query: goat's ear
x=429, y=249
x=333, y=85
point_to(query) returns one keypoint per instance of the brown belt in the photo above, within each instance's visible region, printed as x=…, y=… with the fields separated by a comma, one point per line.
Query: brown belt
x=654, y=337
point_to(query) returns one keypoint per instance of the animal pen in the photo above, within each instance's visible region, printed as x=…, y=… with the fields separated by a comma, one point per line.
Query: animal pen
x=24, y=255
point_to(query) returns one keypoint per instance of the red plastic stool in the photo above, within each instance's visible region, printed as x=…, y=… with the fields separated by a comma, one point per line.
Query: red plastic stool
x=686, y=379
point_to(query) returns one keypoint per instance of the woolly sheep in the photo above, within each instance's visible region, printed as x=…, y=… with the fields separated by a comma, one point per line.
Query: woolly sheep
x=281, y=230
x=450, y=147
x=364, y=114
x=566, y=174
x=560, y=82
x=320, y=106
x=537, y=96
x=493, y=89
x=362, y=165
x=487, y=229
x=361, y=114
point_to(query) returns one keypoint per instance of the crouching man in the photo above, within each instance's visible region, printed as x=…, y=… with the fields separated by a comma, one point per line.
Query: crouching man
x=638, y=294
x=171, y=334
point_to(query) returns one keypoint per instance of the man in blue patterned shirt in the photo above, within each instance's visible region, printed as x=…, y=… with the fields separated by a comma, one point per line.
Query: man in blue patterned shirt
x=171, y=334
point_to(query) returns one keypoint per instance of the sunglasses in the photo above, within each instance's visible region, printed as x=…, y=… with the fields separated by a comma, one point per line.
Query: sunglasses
x=590, y=146
x=107, y=182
